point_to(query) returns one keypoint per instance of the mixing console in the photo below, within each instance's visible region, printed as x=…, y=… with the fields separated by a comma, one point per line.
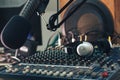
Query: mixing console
x=55, y=64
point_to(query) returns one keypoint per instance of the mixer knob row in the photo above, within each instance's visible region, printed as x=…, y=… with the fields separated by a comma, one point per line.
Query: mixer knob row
x=60, y=72
x=29, y=70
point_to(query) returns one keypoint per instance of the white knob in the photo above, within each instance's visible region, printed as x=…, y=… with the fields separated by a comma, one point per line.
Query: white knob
x=63, y=74
x=56, y=73
x=70, y=74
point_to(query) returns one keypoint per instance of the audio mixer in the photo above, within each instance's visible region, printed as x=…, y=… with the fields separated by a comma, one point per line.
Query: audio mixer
x=56, y=64
x=85, y=52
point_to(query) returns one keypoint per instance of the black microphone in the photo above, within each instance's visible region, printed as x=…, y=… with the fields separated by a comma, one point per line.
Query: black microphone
x=15, y=32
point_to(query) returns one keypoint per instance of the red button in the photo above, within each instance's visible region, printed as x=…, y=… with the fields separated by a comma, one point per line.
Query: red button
x=105, y=74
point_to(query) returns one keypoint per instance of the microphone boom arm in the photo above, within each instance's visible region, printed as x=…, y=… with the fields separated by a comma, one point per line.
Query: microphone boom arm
x=33, y=6
x=52, y=26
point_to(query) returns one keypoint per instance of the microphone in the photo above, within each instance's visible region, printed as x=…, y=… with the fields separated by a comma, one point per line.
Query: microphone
x=15, y=32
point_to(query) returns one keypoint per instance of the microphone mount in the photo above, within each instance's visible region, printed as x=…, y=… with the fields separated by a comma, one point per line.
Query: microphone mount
x=33, y=6
x=52, y=26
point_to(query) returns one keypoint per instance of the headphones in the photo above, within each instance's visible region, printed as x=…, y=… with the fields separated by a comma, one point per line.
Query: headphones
x=85, y=48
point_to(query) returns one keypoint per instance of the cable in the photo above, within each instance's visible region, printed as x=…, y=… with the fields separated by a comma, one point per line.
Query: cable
x=54, y=41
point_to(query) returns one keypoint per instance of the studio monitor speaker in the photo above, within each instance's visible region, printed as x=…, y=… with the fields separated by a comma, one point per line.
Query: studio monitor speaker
x=95, y=15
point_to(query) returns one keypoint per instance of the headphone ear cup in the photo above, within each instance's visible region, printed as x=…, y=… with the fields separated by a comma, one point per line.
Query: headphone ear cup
x=71, y=47
x=103, y=45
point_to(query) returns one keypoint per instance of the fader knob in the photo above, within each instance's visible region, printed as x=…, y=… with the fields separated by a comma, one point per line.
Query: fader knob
x=33, y=71
x=105, y=74
x=63, y=74
x=49, y=73
x=70, y=74
x=27, y=67
x=81, y=72
x=88, y=72
x=44, y=72
x=39, y=71
x=8, y=70
x=94, y=74
x=56, y=73
x=25, y=71
x=15, y=70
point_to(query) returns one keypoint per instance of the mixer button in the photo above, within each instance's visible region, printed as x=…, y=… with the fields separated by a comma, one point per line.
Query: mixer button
x=118, y=61
x=100, y=59
x=88, y=72
x=93, y=59
x=75, y=62
x=105, y=74
x=81, y=72
x=94, y=74
x=102, y=63
x=88, y=63
x=109, y=63
x=63, y=74
x=112, y=67
x=82, y=62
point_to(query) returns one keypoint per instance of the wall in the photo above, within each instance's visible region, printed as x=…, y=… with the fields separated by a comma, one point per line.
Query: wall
x=114, y=8
x=51, y=9
x=11, y=3
x=117, y=15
